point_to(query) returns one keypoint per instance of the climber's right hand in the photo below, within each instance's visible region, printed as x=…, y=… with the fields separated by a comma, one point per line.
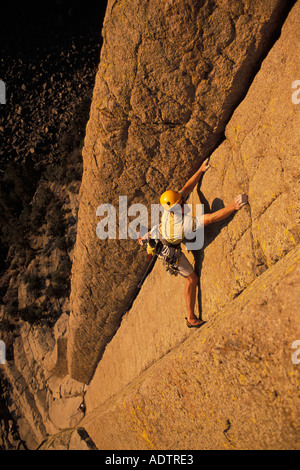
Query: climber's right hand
x=140, y=241
x=205, y=165
x=240, y=201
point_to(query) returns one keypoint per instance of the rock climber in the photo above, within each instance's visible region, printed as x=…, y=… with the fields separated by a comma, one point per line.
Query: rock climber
x=171, y=235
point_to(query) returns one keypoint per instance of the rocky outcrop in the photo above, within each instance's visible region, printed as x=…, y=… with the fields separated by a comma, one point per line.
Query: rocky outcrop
x=44, y=91
x=38, y=395
x=170, y=379
x=163, y=94
x=43, y=399
x=71, y=439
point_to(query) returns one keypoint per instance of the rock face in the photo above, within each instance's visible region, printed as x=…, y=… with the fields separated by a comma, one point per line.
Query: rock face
x=231, y=385
x=259, y=157
x=44, y=399
x=70, y=439
x=171, y=382
x=164, y=92
x=163, y=97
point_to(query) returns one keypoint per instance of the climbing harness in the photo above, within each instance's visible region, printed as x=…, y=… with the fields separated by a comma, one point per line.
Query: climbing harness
x=170, y=258
x=171, y=250
x=167, y=246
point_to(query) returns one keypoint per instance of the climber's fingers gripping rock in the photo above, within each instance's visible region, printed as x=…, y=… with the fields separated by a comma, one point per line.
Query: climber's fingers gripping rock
x=140, y=241
x=205, y=165
x=240, y=201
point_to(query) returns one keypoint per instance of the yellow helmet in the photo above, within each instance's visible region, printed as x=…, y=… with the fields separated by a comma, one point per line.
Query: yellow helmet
x=169, y=199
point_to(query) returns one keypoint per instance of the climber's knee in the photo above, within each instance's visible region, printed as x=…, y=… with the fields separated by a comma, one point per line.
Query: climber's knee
x=193, y=279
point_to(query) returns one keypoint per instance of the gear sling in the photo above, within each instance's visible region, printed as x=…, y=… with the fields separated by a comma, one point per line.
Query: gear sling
x=168, y=252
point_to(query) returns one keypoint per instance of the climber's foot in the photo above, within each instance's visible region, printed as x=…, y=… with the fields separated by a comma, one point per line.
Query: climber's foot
x=194, y=322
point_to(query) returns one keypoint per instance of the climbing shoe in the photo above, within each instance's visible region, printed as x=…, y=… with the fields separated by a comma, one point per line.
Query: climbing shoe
x=196, y=325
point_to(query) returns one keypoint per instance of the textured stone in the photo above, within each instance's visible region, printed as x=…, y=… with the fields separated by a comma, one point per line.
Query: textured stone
x=258, y=157
x=64, y=413
x=230, y=385
x=234, y=264
x=163, y=94
x=77, y=439
x=44, y=399
x=80, y=440
x=154, y=326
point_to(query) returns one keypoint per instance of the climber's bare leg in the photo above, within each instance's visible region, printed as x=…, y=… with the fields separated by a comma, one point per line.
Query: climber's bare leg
x=190, y=297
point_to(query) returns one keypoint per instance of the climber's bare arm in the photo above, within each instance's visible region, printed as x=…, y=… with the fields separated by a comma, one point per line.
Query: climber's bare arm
x=194, y=180
x=239, y=202
x=141, y=240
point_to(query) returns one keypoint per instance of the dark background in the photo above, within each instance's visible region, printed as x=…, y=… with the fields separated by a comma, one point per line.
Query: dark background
x=26, y=24
x=49, y=54
x=52, y=48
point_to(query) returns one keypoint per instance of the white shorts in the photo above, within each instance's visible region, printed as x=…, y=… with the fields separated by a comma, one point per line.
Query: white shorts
x=184, y=266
